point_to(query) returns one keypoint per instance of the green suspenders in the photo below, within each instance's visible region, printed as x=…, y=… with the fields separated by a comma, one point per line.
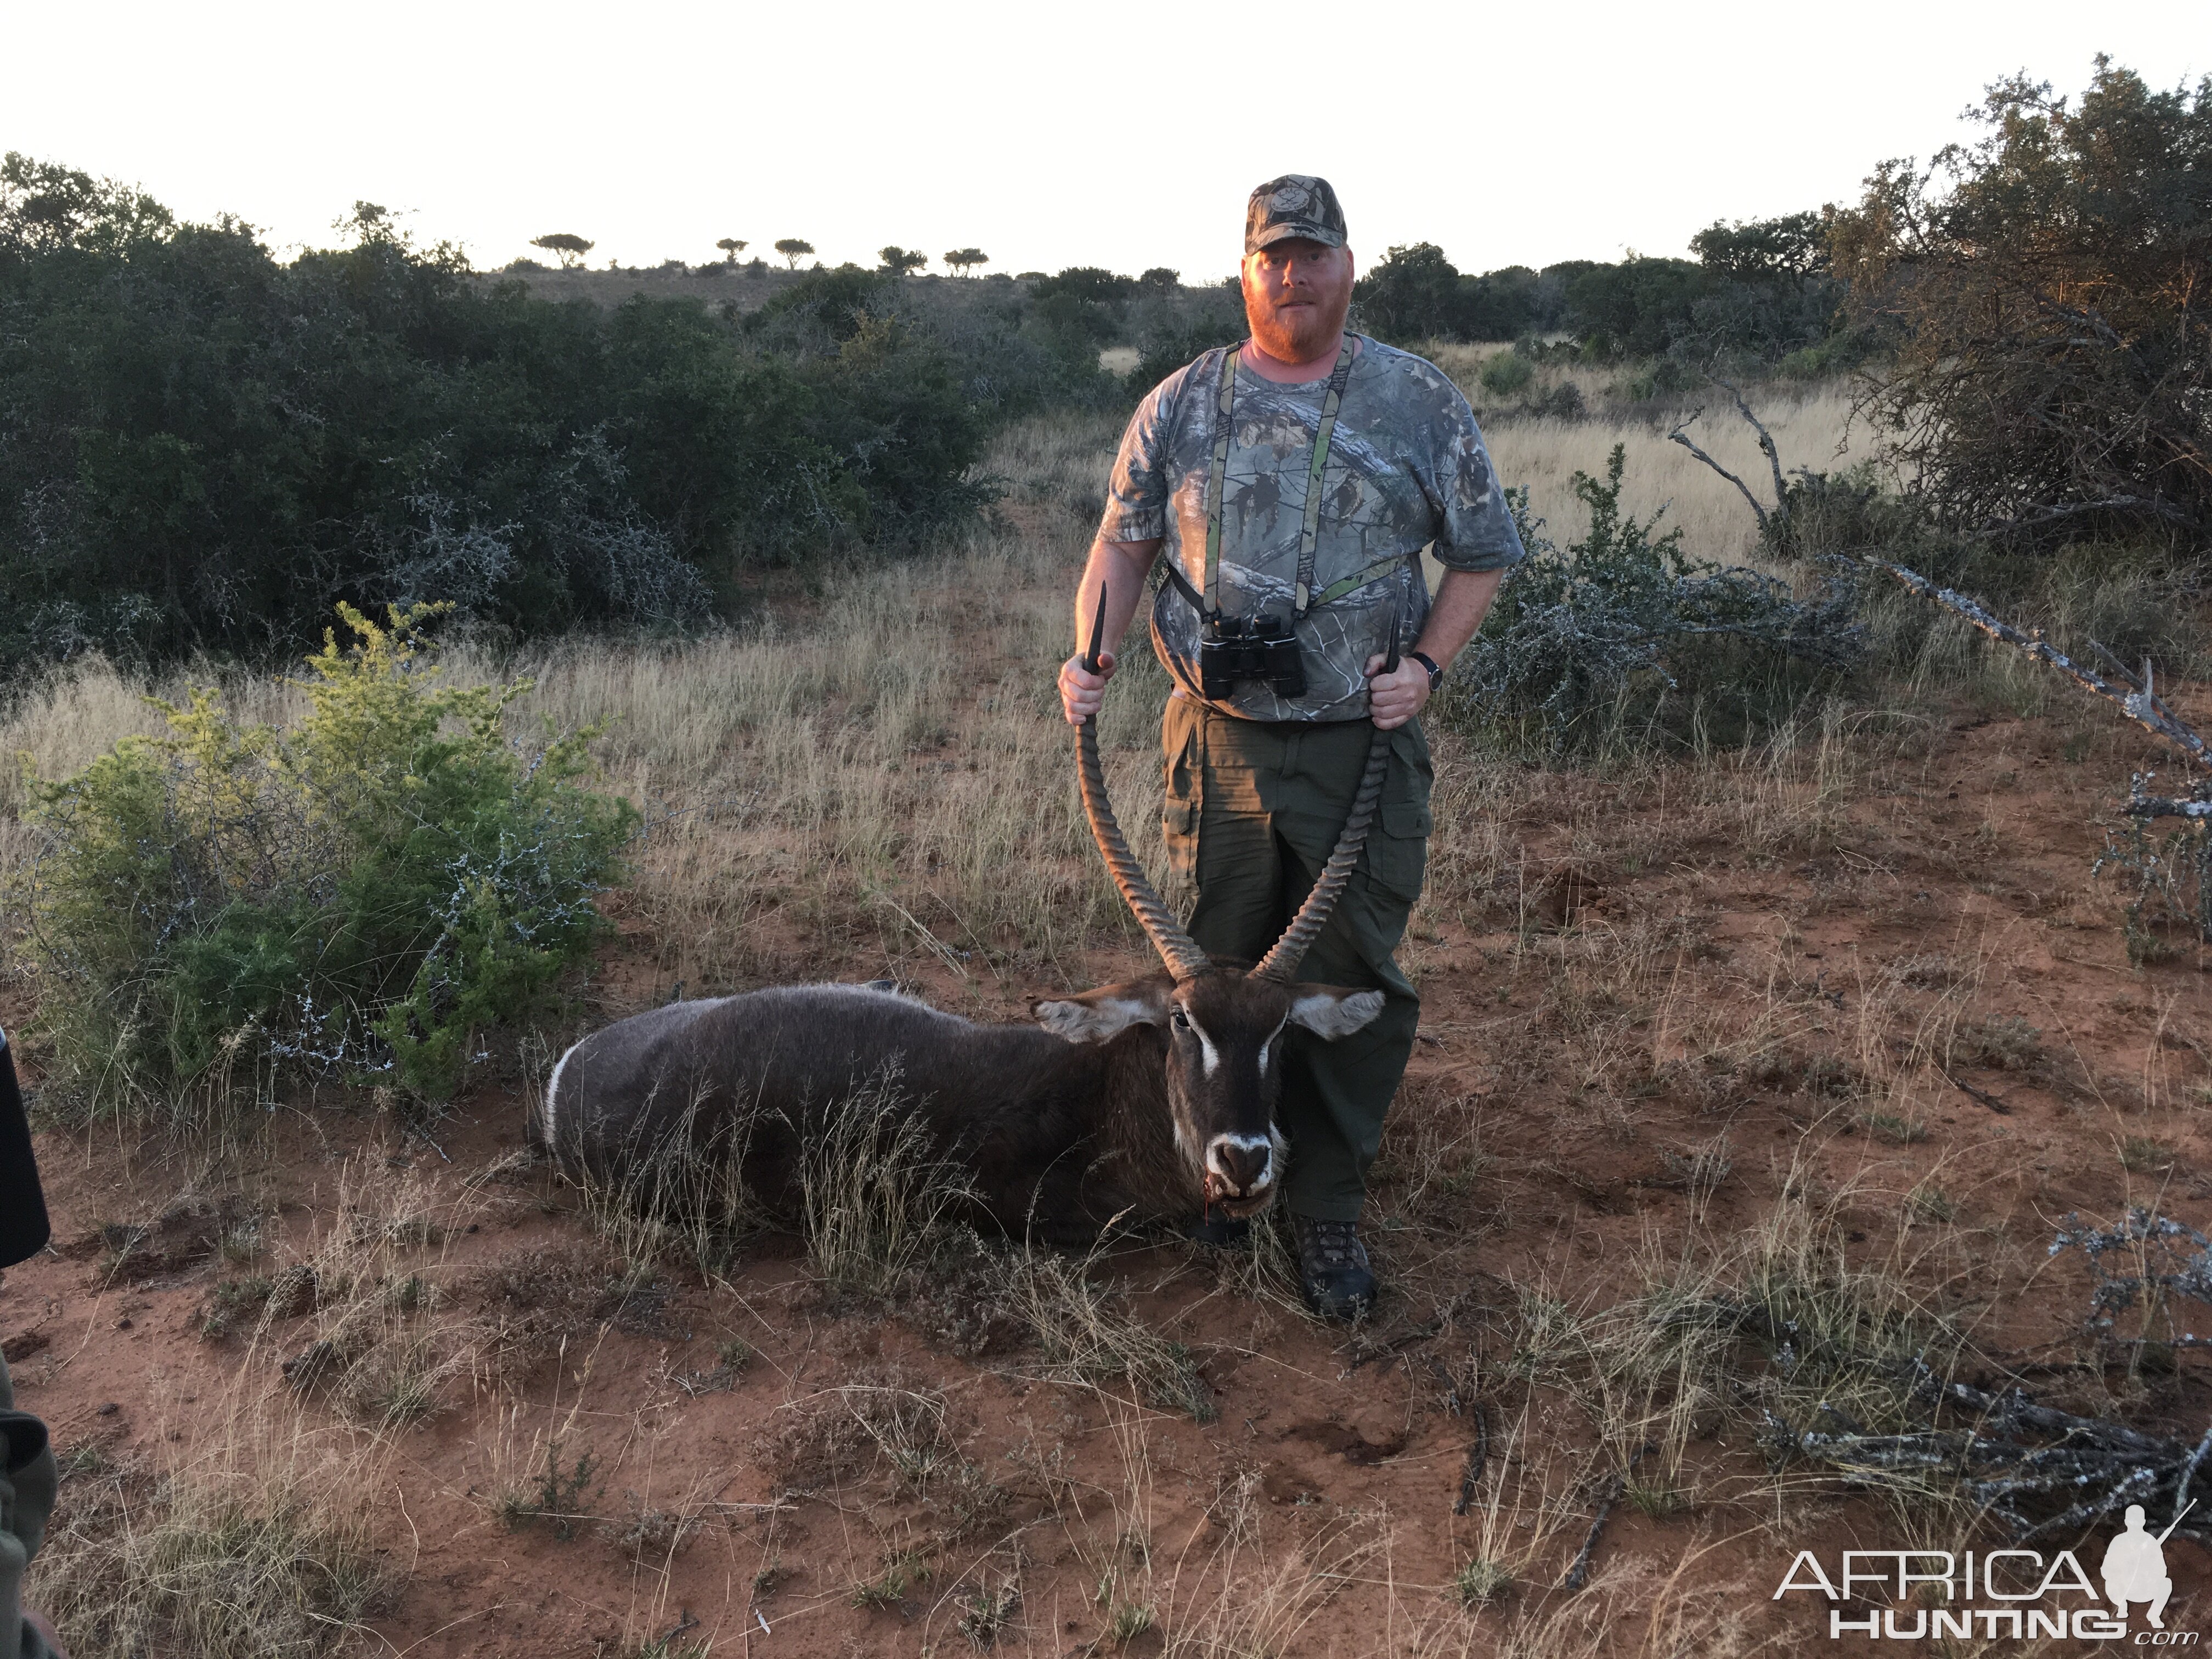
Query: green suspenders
x=1304, y=597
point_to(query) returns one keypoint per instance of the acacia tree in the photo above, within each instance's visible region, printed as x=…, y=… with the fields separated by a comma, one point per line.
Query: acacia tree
x=730, y=247
x=965, y=259
x=900, y=260
x=572, y=249
x=2045, y=291
x=793, y=250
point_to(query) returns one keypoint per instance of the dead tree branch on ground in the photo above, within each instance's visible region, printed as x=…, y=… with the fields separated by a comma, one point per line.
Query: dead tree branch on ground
x=2140, y=701
x=1579, y=1572
x=2163, y=872
x=2041, y=1471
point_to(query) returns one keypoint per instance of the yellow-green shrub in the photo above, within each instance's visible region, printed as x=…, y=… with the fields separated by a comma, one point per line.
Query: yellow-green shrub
x=357, y=892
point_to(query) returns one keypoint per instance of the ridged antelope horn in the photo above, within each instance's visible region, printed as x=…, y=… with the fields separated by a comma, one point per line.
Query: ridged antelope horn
x=1298, y=939
x=1282, y=962
x=1176, y=948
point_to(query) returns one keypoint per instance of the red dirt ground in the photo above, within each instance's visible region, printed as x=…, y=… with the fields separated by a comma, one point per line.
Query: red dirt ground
x=1315, y=1430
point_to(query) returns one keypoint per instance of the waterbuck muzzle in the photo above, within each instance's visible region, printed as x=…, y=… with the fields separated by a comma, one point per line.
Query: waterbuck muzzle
x=1221, y=1035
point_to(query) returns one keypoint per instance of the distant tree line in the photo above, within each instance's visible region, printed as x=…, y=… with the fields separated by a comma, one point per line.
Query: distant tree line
x=204, y=447
x=1762, y=289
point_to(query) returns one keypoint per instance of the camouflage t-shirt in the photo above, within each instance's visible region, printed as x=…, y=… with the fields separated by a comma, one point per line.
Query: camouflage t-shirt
x=1406, y=469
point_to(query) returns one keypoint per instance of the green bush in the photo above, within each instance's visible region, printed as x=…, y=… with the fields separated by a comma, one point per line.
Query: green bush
x=208, y=448
x=1623, y=628
x=1089, y=283
x=1756, y=292
x=357, y=894
x=1506, y=373
x=1663, y=378
x=1414, y=294
x=1170, y=349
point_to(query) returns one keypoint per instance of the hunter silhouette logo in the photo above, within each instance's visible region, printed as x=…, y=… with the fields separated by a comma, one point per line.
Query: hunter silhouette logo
x=2134, y=1566
x=2014, y=1593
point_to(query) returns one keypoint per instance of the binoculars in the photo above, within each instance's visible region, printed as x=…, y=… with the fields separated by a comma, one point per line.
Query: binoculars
x=1236, y=648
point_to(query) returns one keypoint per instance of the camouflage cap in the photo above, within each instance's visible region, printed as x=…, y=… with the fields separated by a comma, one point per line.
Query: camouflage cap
x=1296, y=204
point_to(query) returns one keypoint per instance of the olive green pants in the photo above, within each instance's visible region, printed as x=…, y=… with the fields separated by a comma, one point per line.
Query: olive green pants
x=1254, y=809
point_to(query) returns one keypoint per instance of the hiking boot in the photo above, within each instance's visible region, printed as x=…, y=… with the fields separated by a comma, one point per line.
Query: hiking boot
x=1224, y=1232
x=1333, y=1267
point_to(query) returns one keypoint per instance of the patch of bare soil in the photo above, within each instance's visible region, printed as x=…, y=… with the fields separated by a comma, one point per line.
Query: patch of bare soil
x=1666, y=1014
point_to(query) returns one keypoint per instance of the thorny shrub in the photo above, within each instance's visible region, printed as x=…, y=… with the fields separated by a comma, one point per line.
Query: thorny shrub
x=1624, y=625
x=355, y=894
x=2042, y=291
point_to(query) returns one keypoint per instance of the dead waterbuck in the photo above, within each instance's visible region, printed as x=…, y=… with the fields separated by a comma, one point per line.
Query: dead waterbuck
x=1156, y=1096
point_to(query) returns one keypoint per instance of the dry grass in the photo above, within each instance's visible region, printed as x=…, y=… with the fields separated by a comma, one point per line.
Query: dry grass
x=358, y=1316
x=852, y=769
x=1085, y=1332
x=879, y=1203
x=859, y=786
x=255, y=1543
x=1811, y=425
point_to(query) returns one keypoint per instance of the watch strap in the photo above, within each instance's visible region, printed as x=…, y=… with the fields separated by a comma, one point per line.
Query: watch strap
x=1436, y=674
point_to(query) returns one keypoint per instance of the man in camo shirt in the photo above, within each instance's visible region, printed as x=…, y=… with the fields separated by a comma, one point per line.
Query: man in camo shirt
x=1260, y=781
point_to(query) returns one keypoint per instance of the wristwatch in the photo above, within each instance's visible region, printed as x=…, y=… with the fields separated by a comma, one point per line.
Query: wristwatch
x=1436, y=674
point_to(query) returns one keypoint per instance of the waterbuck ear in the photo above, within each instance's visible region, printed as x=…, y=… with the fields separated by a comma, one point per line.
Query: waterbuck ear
x=1329, y=1011
x=1102, y=1015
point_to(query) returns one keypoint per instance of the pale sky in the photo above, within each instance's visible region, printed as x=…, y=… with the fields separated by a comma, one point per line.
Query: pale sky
x=1125, y=136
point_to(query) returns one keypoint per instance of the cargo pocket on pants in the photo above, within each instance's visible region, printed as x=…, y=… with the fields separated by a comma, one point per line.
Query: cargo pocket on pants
x=1179, y=812
x=1398, y=848
x=1179, y=829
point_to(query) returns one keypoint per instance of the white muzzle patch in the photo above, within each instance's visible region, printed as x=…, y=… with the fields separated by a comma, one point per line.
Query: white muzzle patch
x=1218, y=1167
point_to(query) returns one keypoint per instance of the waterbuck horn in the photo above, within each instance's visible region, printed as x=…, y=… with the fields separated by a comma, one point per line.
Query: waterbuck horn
x=1176, y=948
x=1298, y=939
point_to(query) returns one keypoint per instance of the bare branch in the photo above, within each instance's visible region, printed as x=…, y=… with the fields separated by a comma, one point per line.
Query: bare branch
x=1477, y=1455
x=2166, y=806
x=1982, y=1095
x=1578, y=1571
x=2043, y=515
x=1680, y=435
x=1766, y=444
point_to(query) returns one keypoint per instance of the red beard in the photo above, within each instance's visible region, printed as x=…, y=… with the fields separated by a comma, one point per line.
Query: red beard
x=1297, y=333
